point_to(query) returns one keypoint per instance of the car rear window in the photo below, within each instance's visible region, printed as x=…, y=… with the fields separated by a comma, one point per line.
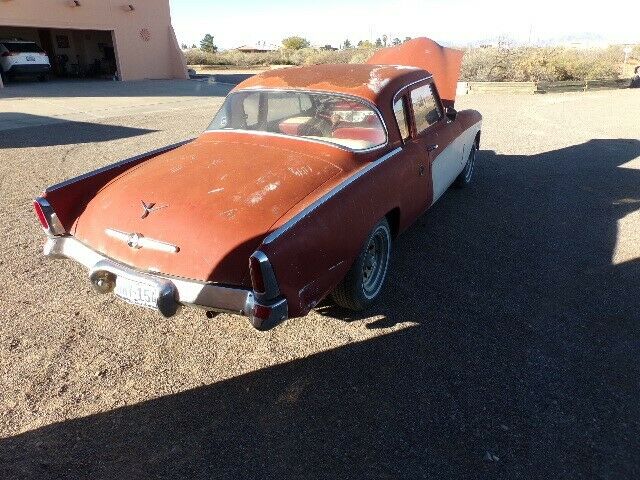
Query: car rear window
x=337, y=119
x=22, y=47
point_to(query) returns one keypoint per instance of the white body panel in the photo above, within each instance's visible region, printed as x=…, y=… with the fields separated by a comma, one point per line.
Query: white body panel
x=451, y=161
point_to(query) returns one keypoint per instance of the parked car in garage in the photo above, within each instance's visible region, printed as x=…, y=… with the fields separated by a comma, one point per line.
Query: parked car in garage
x=22, y=57
x=295, y=191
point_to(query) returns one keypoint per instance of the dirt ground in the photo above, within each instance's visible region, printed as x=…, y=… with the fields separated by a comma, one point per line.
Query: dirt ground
x=506, y=343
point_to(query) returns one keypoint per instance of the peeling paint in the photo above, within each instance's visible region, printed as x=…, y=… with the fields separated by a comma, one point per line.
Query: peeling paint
x=257, y=197
x=230, y=213
x=376, y=82
x=301, y=171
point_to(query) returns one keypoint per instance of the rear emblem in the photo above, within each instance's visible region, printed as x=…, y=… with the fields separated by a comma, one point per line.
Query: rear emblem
x=138, y=241
x=150, y=207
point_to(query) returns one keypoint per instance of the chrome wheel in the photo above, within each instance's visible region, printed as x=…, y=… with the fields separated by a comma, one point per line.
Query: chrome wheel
x=468, y=168
x=466, y=174
x=376, y=261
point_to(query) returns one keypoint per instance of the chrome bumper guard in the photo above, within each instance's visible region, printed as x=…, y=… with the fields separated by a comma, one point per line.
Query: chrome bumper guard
x=173, y=291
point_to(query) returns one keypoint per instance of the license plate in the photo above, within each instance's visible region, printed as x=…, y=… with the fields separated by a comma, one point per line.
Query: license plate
x=31, y=59
x=137, y=293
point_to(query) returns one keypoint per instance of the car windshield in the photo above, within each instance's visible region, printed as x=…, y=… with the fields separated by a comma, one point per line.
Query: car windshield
x=22, y=47
x=344, y=121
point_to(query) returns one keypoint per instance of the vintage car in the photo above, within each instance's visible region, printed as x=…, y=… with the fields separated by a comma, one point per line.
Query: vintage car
x=295, y=191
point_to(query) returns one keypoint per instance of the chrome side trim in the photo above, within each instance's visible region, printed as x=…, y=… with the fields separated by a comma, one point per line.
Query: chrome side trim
x=327, y=196
x=106, y=168
x=188, y=292
x=55, y=225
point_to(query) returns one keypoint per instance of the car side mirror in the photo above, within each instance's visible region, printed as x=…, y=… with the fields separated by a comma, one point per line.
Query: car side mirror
x=451, y=113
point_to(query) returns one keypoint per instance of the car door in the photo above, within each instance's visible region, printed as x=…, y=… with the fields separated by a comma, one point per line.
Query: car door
x=415, y=166
x=435, y=135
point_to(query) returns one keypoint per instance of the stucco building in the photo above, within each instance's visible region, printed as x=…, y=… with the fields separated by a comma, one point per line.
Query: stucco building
x=86, y=38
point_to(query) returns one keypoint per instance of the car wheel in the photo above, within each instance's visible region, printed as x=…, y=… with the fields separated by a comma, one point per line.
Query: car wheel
x=363, y=282
x=466, y=175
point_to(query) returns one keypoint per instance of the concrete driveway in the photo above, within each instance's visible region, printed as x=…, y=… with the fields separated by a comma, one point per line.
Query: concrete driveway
x=506, y=343
x=25, y=104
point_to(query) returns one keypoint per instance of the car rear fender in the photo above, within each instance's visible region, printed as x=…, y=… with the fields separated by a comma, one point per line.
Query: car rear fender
x=311, y=253
x=67, y=199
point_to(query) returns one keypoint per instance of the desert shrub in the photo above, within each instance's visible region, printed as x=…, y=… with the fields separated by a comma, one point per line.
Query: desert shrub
x=495, y=64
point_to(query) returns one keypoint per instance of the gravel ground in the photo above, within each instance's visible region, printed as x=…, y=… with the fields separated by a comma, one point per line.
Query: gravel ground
x=506, y=343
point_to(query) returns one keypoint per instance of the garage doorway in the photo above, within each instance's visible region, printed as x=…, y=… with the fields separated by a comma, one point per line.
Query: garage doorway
x=73, y=54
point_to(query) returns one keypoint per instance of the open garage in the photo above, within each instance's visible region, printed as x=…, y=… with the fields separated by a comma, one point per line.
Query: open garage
x=86, y=39
x=72, y=53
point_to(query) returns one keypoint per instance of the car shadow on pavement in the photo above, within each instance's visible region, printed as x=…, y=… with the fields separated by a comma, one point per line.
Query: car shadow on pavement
x=23, y=130
x=515, y=355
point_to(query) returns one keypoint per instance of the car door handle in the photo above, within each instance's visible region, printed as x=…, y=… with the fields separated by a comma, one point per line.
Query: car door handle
x=431, y=148
x=421, y=170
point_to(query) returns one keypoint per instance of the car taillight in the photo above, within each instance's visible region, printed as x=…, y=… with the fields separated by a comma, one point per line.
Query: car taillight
x=40, y=214
x=257, y=281
x=262, y=312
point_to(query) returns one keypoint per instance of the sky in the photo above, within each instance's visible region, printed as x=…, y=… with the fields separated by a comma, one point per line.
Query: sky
x=459, y=22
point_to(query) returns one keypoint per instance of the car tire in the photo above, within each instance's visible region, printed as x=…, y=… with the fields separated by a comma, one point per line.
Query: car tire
x=466, y=175
x=364, y=281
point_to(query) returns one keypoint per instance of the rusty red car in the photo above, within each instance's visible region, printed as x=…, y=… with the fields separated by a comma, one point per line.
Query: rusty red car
x=295, y=192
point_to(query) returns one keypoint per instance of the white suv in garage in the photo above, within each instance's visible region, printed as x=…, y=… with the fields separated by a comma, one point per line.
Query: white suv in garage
x=22, y=57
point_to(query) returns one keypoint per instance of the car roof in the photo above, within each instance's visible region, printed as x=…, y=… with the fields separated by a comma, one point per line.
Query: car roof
x=370, y=82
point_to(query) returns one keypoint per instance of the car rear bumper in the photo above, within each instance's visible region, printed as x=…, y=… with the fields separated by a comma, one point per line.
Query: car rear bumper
x=29, y=69
x=173, y=291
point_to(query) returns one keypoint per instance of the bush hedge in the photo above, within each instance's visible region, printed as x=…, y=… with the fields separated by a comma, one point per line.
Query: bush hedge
x=495, y=64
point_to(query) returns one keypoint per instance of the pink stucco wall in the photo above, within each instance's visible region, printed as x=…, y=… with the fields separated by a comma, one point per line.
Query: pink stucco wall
x=158, y=57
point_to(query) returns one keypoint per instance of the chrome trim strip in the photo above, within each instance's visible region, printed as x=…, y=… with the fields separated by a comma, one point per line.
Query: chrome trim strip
x=407, y=86
x=338, y=188
x=137, y=240
x=189, y=292
x=106, y=168
x=304, y=139
x=318, y=92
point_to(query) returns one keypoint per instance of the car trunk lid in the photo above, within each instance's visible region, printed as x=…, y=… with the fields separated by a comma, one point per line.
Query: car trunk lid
x=213, y=199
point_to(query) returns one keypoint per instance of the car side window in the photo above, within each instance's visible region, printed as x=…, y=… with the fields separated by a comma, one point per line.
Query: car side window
x=286, y=105
x=251, y=107
x=401, y=117
x=425, y=108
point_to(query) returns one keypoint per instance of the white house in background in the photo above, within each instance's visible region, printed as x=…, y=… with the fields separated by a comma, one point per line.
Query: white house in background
x=258, y=47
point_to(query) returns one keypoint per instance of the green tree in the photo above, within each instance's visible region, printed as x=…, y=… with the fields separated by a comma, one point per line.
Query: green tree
x=378, y=42
x=406, y=39
x=194, y=46
x=347, y=44
x=365, y=44
x=384, y=40
x=207, y=45
x=295, y=43
x=396, y=41
x=184, y=46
